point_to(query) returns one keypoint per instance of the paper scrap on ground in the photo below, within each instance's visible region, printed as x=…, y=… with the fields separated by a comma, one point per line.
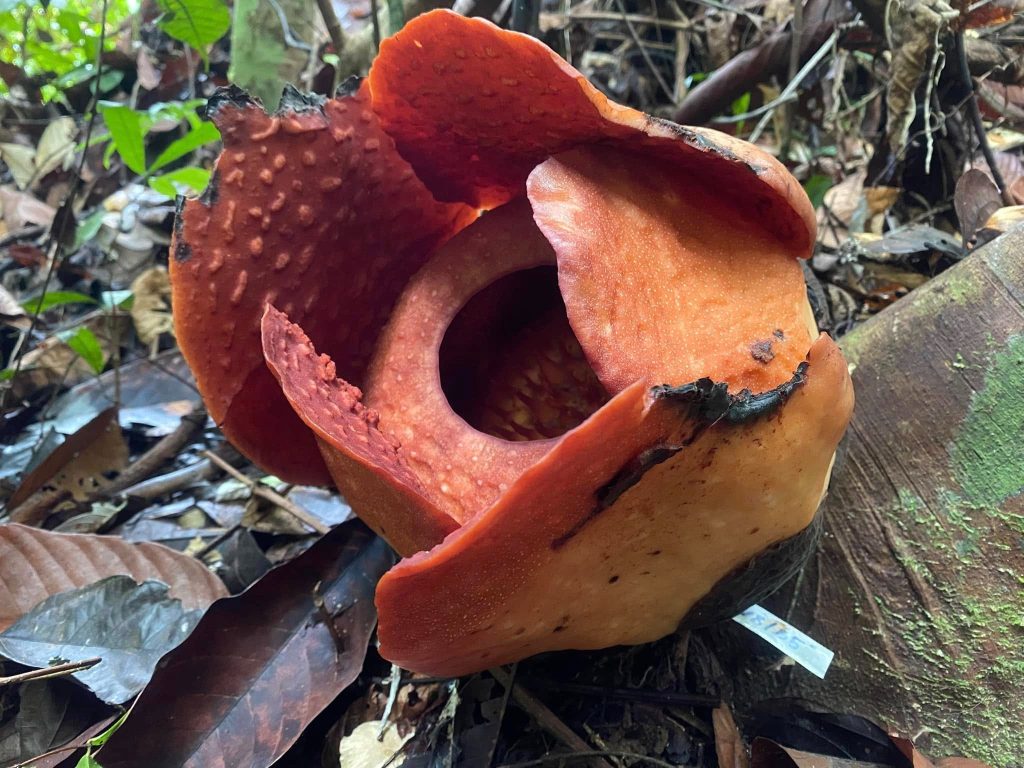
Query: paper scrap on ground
x=806, y=652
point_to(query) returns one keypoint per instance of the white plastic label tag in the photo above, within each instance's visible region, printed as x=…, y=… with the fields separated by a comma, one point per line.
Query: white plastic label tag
x=808, y=653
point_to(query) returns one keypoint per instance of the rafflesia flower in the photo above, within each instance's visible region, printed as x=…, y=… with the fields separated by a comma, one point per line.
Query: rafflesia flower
x=557, y=352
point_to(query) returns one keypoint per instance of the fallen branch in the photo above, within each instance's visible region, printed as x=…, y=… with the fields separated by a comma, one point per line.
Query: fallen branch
x=48, y=673
x=269, y=494
x=549, y=722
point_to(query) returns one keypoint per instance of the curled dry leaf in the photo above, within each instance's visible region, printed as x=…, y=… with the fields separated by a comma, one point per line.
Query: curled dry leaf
x=11, y=311
x=53, y=363
x=50, y=714
x=849, y=208
x=976, y=199
x=549, y=407
x=36, y=564
x=914, y=29
x=78, y=465
x=1003, y=220
x=365, y=748
x=21, y=208
x=56, y=145
x=151, y=310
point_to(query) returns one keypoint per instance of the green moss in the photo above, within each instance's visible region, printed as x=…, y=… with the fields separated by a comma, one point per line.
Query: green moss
x=987, y=455
x=970, y=649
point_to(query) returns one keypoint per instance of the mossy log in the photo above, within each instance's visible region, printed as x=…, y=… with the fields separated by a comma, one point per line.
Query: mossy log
x=919, y=584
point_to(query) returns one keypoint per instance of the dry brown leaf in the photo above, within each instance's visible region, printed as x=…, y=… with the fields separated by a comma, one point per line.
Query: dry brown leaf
x=149, y=76
x=56, y=146
x=718, y=25
x=87, y=473
x=28, y=165
x=1004, y=219
x=21, y=160
x=21, y=208
x=77, y=465
x=11, y=311
x=765, y=753
x=999, y=100
x=54, y=363
x=906, y=747
x=914, y=29
x=1003, y=139
x=880, y=199
x=992, y=13
x=36, y=564
x=850, y=207
x=151, y=309
x=729, y=744
x=362, y=748
x=976, y=199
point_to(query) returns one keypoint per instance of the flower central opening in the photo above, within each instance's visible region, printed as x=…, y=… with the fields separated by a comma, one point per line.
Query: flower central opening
x=511, y=365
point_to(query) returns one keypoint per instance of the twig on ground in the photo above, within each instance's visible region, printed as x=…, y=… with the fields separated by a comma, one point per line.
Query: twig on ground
x=548, y=721
x=501, y=717
x=394, y=684
x=169, y=446
x=664, y=698
x=37, y=506
x=979, y=127
x=589, y=754
x=577, y=15
x=793, y=84
x=269, y=494
x=48, y=673
x=643, y=51
x=337, y=35
x=161, y=485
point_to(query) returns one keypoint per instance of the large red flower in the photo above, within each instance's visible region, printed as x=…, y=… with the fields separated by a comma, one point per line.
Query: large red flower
x=592, y=412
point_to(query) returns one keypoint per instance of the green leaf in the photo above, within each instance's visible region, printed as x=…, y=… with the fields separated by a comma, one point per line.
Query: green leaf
x=198, y=23
x=816, y=187
x=127, y=131
x=103, y=738
x=84, y=342
x=88, y=761
x=180, y=181
x=6, y=374
x=56, y=299
x=88, y=228
x=741, y=106
x=206, y=133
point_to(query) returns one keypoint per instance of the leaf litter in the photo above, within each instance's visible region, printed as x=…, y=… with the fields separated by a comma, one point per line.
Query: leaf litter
x=883, y=233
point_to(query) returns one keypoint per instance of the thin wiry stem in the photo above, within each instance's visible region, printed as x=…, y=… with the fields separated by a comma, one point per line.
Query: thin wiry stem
x=58, y=233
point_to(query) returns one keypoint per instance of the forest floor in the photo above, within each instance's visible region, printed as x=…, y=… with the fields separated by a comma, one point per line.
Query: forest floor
x=903, y=123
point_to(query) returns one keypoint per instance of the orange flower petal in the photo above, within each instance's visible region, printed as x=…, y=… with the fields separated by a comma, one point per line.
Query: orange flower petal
x=663, y=283
x=463, y=470
x=313, y=210
x=363, y=460
x=621, y=529
x=475, y=108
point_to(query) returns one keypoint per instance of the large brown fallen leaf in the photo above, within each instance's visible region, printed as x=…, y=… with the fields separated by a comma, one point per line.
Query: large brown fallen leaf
x=36, y=564
x=260, y=666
